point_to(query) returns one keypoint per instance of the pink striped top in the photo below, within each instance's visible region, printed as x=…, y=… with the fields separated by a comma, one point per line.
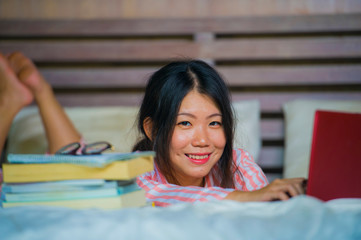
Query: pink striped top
x=249, y=177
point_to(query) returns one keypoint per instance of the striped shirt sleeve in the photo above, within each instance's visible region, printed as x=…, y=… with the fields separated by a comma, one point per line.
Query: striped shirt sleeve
x=164, y=194
x=249, y=176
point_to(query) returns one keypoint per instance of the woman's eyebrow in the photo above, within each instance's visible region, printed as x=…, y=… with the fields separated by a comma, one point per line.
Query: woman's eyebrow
x=215, y=115
x=186, y=114
x=193, y=116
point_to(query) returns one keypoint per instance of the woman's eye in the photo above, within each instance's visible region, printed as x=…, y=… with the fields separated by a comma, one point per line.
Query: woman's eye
x=215, y=123
x=184, y=123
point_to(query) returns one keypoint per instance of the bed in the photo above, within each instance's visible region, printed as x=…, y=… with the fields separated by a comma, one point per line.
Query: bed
x=299, y=218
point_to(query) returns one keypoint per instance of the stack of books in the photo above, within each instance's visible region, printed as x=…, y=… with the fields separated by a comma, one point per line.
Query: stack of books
x=105, y=181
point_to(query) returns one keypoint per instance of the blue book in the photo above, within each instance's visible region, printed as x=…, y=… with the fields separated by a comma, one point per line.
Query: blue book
x=134, y=198
x=111, y=190
x=66, y=185
x=99, y=160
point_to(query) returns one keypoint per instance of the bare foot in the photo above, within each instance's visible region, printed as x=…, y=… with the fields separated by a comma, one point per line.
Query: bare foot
x=14, y=95
x=27, y=73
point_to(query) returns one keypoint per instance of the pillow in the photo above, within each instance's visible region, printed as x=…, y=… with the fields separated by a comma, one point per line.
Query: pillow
x=117, y=126
x=113, y=124
x=247, y=122
x=299, y=117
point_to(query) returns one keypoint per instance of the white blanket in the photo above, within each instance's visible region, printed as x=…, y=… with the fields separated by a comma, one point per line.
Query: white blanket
x=299, y=218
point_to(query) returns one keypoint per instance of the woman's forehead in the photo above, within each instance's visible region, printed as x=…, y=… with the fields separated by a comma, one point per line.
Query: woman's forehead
x=195, y=102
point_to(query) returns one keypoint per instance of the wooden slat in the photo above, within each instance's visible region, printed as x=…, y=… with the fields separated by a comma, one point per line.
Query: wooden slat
x=74, y=78
x=236, y=49
x=292, y=75
x=236, y=76
x=269, y=101
x=55, y=9
x=145, y=27
x=99, y=51
x=279, y=48
x=272, y=129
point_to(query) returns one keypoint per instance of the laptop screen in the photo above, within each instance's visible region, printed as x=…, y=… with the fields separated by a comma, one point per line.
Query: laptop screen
x=335, y=162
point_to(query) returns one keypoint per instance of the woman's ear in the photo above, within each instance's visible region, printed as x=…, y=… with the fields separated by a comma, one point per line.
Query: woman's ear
x=148, y=127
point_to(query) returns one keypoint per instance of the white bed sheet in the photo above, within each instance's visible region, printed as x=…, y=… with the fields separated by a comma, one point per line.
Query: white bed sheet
x=299, y=218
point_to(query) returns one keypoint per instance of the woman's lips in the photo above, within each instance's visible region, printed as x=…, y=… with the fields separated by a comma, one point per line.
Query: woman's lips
x=199, y=159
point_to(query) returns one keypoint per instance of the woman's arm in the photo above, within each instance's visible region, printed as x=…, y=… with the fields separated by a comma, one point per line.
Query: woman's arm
x=252, y=184
x=279, y=189
x=166, y=194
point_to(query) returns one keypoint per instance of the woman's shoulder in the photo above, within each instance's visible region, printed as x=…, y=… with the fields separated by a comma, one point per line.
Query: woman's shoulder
x=249, y=176
x=241, y=155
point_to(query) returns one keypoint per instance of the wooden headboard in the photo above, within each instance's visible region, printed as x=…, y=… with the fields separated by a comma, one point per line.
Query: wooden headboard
x=272, y=59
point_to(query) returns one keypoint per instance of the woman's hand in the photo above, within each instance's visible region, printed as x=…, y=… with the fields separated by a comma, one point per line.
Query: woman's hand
x=279, y=189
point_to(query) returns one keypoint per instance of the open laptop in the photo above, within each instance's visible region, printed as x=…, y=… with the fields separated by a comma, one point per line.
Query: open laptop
x=335, y=163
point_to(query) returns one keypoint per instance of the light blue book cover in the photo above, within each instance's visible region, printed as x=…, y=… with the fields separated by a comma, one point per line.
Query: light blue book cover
x=67, y=185
x=88, y=160
x=69, y=195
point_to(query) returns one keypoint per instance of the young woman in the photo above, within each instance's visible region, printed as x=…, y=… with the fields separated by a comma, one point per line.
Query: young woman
x=187, y=119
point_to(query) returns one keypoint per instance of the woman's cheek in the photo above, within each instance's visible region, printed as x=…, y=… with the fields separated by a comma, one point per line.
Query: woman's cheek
x=181, y=138
x=219, y=139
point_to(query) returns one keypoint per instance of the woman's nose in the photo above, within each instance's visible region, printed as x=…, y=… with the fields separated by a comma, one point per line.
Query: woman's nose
x=200, y=137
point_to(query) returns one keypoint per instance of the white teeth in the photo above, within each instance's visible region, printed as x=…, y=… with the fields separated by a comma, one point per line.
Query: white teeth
x=198, y=156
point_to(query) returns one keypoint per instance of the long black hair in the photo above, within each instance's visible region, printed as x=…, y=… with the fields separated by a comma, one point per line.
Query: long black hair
x=164, y=94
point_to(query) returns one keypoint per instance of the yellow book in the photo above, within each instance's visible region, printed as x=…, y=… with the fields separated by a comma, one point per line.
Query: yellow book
x=131, y=199
x=39, y=172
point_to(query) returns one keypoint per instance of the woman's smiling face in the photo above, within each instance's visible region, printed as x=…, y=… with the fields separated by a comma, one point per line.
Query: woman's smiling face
x=198, y=139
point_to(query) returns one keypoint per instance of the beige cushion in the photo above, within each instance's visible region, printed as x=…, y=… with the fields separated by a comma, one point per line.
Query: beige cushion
x=248, y=133
x=113, y=124
x=117, y=125
x=299, y=116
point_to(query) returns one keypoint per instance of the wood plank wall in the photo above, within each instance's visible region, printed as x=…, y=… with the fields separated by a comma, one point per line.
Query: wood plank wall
x=273, y=59
x=115, y=9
